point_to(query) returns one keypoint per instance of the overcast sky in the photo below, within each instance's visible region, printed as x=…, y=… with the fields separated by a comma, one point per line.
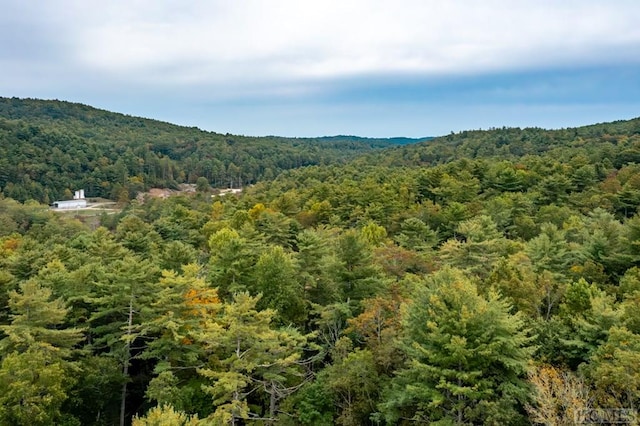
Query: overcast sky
x=311, y=68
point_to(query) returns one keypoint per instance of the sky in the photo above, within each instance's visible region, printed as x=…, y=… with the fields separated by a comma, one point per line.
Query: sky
x=307, y=68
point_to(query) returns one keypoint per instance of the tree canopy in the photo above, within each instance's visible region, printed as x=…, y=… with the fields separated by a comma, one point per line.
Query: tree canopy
x=483, y=277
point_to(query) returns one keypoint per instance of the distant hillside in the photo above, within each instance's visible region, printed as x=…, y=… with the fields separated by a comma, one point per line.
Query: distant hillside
x=618, y=141
x=48, y=148
x=523, y=172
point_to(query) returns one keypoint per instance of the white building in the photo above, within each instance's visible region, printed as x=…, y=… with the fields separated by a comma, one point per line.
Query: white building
x=70, y=204
x=77, y=202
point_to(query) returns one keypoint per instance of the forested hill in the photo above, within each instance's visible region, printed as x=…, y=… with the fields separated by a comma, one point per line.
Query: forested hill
x=482, y=278
x=47, y=147
x=618, y=141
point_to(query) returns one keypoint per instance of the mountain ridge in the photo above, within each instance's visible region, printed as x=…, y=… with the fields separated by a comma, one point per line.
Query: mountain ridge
x=74, y=110
x=48, y=148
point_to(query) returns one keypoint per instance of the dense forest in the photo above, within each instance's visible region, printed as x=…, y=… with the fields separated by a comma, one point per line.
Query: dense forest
x=484, y=277
x=47, y=147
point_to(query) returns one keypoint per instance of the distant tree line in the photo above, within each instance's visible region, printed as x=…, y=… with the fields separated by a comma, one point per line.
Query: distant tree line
x=49, y=148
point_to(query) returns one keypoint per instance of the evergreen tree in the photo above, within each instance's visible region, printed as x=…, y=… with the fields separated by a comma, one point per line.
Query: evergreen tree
x=586, y=315
x=232, y=257
x=466, y=358
x=121, y=301
x=182, y=305
x=274, y=276
x=354, y=384
x=313, y=267
x=416, y=235
x=35, y=373
x=247, y=356
x=355, y=273
x=166, y=415
x=482, y=247
x=614, y=369
x=34, y=321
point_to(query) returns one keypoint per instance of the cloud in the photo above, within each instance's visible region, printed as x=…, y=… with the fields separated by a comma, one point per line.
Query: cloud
x=252, y=41
x=282, y=66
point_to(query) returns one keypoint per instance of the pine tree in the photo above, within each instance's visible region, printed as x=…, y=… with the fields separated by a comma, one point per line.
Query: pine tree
x=246, y=355
x=482, y=247
x=166, y=415
x=314, y=267
x=354, y=271
x=274, y=276
x=614, y=369
x=231, y=259
x=182, y=305
x=121, y=302
x=466, y=357
x=416, y=235
x=35, y=373
x=355, y=385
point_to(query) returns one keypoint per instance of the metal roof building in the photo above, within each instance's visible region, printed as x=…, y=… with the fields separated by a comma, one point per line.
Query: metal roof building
x=77, y=202
x=70, y=204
